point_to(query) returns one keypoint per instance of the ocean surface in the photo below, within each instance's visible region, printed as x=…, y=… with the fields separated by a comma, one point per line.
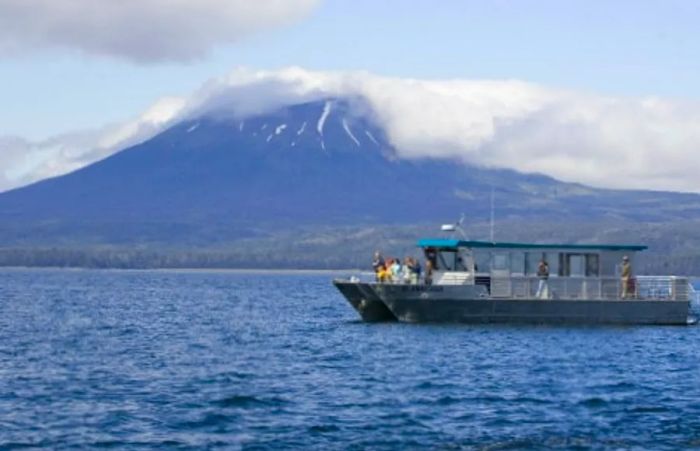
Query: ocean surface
x=235, y=360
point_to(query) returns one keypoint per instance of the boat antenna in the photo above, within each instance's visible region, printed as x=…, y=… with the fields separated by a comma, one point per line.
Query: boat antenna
x=492, y=215
x=456, y=228
x=459, y=227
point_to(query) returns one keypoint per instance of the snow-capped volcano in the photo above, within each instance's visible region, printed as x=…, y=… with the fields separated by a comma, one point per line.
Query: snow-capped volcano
x=321, y=162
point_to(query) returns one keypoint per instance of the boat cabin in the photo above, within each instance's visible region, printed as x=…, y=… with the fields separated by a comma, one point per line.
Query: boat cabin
x=521, y=259
x=510, y=269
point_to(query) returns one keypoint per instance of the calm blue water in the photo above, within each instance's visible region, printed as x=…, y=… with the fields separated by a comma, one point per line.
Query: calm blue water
x=266, y=361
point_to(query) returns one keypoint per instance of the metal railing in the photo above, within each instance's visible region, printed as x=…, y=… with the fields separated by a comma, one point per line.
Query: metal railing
x=595, y=288
x=694, y=299
x=592, y=288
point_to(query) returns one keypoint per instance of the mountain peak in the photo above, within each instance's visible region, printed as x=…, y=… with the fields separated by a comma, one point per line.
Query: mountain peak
x=325, y=161
x=327, y=125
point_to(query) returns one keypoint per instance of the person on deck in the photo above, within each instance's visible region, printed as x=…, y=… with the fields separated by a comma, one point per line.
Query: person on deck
x=396, y=271
x=428, y=272
x=543, y=276
x=417, y=269
x=408, y=270
x=378, y=265
x=626, y=277
x=385, y=271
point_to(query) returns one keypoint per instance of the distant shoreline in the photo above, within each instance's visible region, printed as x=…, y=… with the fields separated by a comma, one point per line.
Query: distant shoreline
x=186, y=270
x=694, y=279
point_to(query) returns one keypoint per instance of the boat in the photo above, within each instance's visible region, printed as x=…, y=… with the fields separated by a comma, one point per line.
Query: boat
x=502, y=282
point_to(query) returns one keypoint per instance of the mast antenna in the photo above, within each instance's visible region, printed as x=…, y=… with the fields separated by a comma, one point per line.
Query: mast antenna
x=492, y=215
x=455, y=228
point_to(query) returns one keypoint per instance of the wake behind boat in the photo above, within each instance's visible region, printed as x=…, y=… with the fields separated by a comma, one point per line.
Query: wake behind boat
x=471, y=281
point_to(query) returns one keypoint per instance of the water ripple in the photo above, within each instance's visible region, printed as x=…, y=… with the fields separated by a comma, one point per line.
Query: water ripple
x=225, y=360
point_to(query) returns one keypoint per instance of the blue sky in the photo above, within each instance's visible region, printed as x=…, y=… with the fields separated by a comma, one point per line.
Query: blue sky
x=627, y=48
x=603, y=93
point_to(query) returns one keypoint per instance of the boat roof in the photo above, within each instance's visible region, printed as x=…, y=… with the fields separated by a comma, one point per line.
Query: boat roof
x=454, y=244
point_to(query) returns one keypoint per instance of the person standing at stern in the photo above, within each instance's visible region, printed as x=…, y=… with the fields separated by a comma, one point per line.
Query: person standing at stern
x=543, y=276
x=626, y=277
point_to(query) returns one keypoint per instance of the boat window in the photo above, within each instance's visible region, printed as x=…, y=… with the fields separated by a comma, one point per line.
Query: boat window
x=482, y=261
x=553, y=262
x=500, y=261
x=462, y=260
x=517, y=263
x=592, y=265
x=443, y=260
x=577, y=265
x=446, y=260
x=532, y=262
x=563, y=265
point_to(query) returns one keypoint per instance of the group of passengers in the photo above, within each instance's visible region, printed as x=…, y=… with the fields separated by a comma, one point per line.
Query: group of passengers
x=392, y=270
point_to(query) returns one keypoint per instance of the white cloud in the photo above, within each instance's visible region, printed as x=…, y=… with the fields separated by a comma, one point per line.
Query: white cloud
x=23, y=162
x=647, y=143
x=140, y=30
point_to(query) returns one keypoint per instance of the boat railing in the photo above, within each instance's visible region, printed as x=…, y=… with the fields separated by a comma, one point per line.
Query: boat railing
x=694, y=296
x=596, y=288
x=673, y=288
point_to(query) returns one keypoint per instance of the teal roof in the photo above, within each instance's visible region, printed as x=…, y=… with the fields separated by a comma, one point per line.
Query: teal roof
x=453, y=244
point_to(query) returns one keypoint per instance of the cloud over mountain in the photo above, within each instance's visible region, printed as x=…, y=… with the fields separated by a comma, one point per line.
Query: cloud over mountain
x=140, y=30
x=605, y=141
x=23, y=161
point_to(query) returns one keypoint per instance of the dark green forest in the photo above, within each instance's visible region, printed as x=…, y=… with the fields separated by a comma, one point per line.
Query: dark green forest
x=674, y=248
